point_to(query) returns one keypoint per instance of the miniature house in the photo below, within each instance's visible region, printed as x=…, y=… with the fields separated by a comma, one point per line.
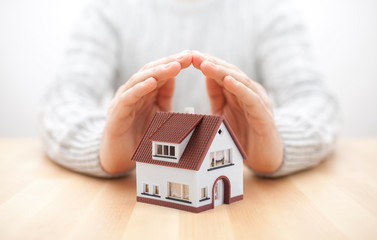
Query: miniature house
x=190, y=162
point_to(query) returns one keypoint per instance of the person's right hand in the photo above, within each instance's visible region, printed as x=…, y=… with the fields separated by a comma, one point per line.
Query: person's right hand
x=133, y=107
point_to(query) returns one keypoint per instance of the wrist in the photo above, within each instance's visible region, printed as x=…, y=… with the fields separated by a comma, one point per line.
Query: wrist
x=114, y=155
x=265, y=153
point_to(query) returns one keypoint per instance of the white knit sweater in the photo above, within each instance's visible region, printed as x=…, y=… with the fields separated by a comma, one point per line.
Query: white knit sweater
x=115, y=38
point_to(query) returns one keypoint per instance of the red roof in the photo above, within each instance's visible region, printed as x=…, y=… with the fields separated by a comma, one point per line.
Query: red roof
x=169, y=132
x=169, y=127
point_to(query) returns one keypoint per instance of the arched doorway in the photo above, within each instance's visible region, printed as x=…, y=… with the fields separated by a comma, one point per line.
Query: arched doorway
x=221, y=191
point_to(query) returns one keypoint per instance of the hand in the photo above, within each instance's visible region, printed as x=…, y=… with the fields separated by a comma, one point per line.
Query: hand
x=248, y=109
x=133, y=107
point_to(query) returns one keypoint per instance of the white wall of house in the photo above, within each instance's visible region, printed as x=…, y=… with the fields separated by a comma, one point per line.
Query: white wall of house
x=161, y=175
x=233, y=173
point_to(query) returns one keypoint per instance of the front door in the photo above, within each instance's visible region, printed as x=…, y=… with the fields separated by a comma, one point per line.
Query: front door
x=219, y=192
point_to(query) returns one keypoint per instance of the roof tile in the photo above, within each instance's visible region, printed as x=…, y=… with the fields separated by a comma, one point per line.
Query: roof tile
x=176, y=128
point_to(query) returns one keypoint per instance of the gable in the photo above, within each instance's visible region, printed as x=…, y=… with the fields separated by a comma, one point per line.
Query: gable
x=222, y=147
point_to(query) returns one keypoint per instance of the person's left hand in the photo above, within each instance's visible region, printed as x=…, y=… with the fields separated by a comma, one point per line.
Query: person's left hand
x=248, y=109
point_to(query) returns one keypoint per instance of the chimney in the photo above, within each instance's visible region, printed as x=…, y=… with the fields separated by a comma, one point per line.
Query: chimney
x=190, y=110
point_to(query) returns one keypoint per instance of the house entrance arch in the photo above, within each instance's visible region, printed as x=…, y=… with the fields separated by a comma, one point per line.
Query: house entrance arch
x=221, y=191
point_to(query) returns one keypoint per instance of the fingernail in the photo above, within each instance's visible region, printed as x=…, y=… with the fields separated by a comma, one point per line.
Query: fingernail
x=201, y=55
x=228, y=77
x=210, y=64
x=147, y=81
x=170, y=64
x=181, y=55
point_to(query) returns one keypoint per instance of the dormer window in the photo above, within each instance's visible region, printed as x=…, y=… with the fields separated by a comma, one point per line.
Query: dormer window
x=163, y=150
x=170, y=139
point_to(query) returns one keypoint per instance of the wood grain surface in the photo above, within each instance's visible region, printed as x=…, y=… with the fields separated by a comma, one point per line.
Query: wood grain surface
x=41, y=200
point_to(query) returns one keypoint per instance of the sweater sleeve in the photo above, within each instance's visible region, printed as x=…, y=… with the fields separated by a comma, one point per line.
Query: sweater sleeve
x=72, y=117
x=306, y=114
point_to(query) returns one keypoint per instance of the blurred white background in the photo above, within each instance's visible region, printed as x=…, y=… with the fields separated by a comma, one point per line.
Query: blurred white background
x=33, y=35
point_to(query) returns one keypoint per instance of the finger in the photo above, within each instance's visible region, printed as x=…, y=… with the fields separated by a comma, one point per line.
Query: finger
x=232, y=100
x=160, y=73
x=184, y=58
x=219, y=72
x=216, y=96
x=133, y=95
x=198, y=58
x=253, y=103
x=165, y=95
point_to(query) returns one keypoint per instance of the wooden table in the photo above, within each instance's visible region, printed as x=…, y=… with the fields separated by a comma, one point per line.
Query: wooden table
x=40, y=200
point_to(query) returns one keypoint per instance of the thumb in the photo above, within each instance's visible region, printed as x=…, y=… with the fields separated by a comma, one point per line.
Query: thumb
x=216, y=96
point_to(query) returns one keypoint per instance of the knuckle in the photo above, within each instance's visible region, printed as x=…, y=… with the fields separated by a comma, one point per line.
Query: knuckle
x=269, y=103
x=249, y=84
x=235, y=67
x=214, y=60
x=156, y=70
x=121, y=89
x=242, y=91
x=135, y=91
x=132, y=78
x=260, y=87
x=152, y=72
x=146, y=66
x=112, y=106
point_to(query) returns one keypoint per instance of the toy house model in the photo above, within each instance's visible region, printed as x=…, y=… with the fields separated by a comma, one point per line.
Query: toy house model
x=190, y=162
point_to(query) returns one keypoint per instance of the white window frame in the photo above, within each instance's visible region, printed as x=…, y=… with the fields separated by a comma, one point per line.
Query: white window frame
x=229, y=158
x=163, y=154
x=205, y=193
x=144, y=188
x=181, y=198
x=159, y=191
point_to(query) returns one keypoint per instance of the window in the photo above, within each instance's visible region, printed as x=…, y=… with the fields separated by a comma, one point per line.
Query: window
x=180, y=191
x=220, y=158
x=152, y=190
x=156, y=190
x=227, y=156
x=220, y=131
x=159, y=149
x=165, y=150
x=186, y=194
x=175, y=190
x=211, y=156
x=172, y=151
x=146, y=188
x=203, y=193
